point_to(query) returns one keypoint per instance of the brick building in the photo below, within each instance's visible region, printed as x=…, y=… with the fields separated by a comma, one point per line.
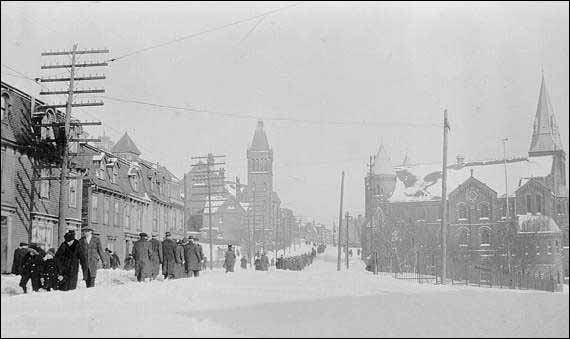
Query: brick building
x=403, y=204
x=30, y=209
x=124, y=195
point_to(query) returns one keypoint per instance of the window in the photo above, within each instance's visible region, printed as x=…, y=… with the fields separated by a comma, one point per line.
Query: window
x=73, y=193
x=463, y=238
x=155, y=218
x=537, y=250
x=94, y=207
x=3, y=178
x=484, y=210
x=116, y=212
x=166, y=218
x=539, y=204
x=115, y=175
x=528, y=204
x=140, y=217
x=462, y=211
x=3, y=106
x=549, y=251
x=421, y=213
x=127, y=215
x=135, y=182
x=106, y=208
x=42, y=233
x=485, y=237
x=44, y=184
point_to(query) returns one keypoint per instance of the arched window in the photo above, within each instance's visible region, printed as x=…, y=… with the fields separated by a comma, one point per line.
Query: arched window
x=463, y=238
x=484, y=210
x=462, y=211
x=485, y=236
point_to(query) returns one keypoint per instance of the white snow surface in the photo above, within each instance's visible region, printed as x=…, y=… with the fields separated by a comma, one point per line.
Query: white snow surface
x=315, y=302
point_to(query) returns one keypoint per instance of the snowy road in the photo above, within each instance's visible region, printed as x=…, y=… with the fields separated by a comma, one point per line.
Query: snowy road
x=317, y=302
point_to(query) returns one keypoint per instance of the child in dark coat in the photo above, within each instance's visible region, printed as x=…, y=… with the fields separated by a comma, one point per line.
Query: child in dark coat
x=49, y=273
x=31, y=266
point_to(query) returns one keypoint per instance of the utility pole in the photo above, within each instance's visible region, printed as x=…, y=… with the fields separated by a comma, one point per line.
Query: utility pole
x=340, y=221
x=210, y=164
x=444, y=202
x=507, y=213
x=66, y=135
x=346, y=241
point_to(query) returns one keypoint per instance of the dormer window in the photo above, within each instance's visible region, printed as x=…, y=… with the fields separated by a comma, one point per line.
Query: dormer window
x=4, y=106
x=539, y=204
x=115, y=174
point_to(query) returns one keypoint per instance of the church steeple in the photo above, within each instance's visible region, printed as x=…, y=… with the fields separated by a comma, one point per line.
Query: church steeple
x=259, y=142
x=545, y=136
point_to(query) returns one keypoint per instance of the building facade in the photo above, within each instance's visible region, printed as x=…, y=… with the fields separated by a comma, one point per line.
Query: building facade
x=30, y=207
x=403, y=207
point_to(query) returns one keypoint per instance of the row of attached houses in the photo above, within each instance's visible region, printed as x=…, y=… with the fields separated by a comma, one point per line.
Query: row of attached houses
x=115, y=192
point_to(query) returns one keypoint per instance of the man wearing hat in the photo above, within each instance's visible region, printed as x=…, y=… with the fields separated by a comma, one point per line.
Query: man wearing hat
x=67, y=258
x=230, y=259
x=180, y=270
x=193, y=258
x=168, y=257
x=19, y=254
x=142, y=252
x=156, y=255
x=90, y=250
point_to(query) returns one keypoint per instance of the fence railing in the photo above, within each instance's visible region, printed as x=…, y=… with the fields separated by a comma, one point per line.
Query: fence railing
x=427, y=269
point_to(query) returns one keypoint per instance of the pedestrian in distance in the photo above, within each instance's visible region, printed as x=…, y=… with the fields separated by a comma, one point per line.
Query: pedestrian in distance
x=257, y=263
x=192, y=258
x=90, y=250
x=115, y=261
x=204, y=259
x=19, y=254
x=67, y=259
x=168, y=257
x=243, y=263
x=129, y=262
x=142, y=253
x=264, y=262
x=230, y=259
x=179, y=257
x=156, y=256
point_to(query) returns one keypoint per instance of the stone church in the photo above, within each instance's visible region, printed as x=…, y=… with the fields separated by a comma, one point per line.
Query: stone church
x=509, y=214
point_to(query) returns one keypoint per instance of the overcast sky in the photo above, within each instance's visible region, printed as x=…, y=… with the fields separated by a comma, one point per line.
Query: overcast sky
x=377, y=62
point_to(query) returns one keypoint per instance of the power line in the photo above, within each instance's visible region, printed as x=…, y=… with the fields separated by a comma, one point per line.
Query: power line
x=205, y=32
x=258, y=117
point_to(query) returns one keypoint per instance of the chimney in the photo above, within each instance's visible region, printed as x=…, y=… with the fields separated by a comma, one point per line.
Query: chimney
x=460, y=158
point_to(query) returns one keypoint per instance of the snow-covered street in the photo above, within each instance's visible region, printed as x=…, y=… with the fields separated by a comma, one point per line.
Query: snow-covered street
x=316, y=302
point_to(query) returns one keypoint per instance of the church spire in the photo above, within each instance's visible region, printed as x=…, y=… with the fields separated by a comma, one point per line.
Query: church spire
x=545, y=135
x=259, y=142
x=382, y=162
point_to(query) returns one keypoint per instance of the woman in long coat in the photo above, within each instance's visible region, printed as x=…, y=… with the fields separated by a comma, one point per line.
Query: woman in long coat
x=230, y=259
x=67, y=259
x=179, y=257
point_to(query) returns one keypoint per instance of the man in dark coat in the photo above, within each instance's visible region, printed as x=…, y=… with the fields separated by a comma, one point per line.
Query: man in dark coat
x=31, y=266
x=49, y=274
x=67, y=259
x=115, y=261
x=19, y=254
x=192, y=258
x=243, y=263
x=129, y=262
x=90, y=249
x=204, y=259
x=142, y=252
x=264, y=262
x=230, y=259
x=156, y=256
x=168, y=257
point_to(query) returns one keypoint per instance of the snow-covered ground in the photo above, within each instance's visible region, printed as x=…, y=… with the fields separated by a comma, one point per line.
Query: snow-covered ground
x=316, y=302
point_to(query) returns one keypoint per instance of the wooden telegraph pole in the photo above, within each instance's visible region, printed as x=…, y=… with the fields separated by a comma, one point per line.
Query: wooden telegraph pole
x=340, y=221
x=443, y=232
x=346, y=240
x=67, y=137
x=210, y=164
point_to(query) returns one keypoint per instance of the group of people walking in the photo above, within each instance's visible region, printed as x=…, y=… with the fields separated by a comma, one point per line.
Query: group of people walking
x=58, y=270
x=184, y=258
x=296, y=263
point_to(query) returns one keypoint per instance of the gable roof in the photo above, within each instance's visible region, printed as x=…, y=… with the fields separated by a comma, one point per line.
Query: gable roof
x=126, y=145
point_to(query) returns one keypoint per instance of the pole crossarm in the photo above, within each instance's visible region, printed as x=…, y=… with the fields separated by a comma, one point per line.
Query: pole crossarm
x=99, y=64
x=79, y=104
x=92, y=51
x=94, y=77
x=82, y=91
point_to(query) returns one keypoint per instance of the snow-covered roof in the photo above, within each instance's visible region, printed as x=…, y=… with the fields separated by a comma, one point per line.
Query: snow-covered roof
x=528, y=223
x=423, y=182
